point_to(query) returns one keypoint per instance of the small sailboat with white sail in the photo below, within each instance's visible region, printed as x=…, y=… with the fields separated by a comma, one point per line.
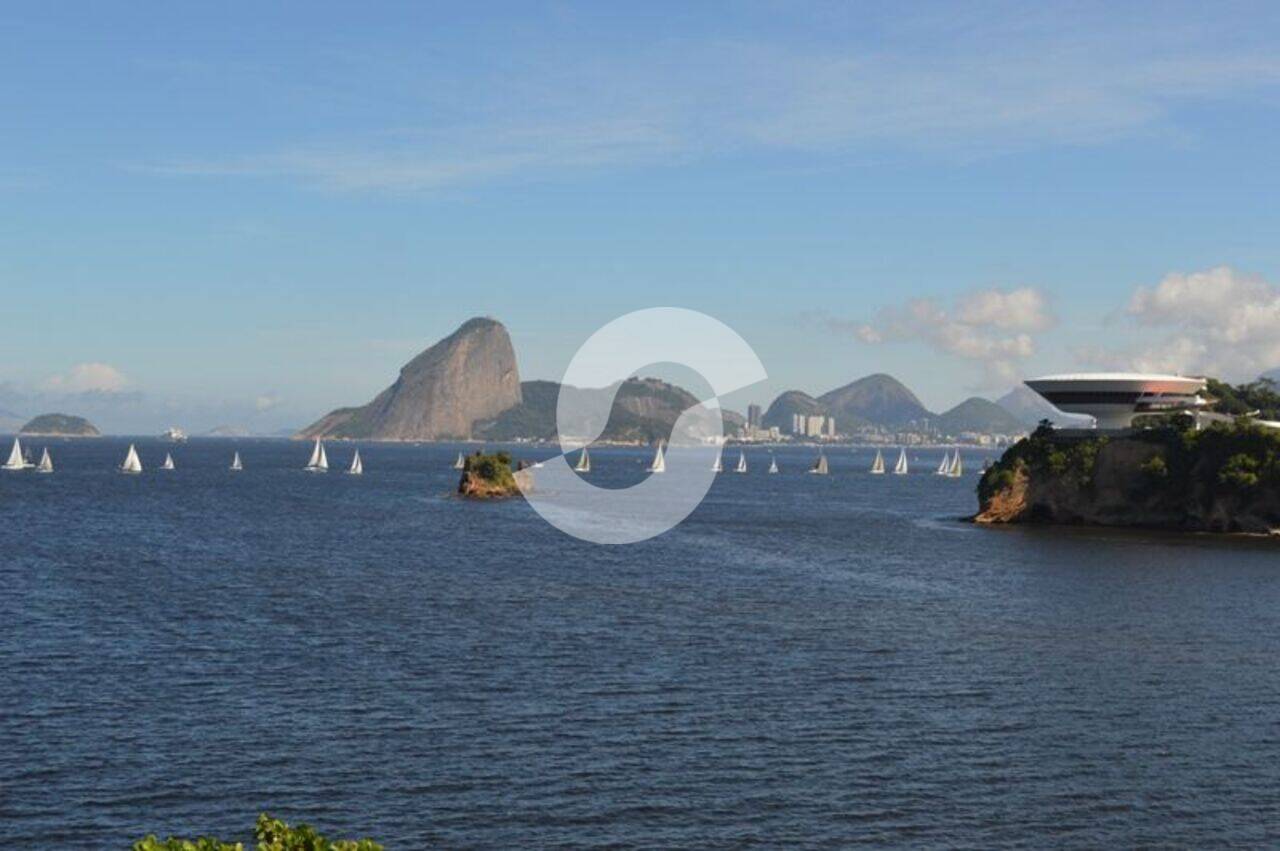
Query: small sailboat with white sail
x=15, y=461
x=168, y=462
x=659, y=463
x=584, y=462
x=357, y=466
x=742, y=463
x=773, y=464
x=236, y=465
x=459, y=462
x=319, y=462
x=820, y=466
x=718, y=466
x=46, y=463
x=956, y=469
x=944, y=465
x=132, y=463
x=877, y=466
x=900, y=469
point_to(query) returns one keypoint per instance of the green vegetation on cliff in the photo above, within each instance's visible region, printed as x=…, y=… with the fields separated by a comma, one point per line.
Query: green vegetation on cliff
x=271, y=835
x=488, y=476
x=1225, y=478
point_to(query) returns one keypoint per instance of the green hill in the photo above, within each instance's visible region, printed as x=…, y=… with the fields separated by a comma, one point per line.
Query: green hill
x=980, y=415
x=60, y=425
x=878, y=399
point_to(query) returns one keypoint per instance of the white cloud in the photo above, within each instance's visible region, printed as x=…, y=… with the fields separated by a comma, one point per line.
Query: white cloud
x=989, y=327
x=88, y=378
x=266, y=401
x=1219, y=321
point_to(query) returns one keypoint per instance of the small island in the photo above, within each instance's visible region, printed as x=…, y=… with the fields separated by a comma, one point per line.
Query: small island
x=1224, y=478
x=59, y=425
x=489, y=476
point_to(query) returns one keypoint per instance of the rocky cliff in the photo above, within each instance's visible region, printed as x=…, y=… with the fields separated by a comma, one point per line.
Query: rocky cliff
x=470, y=375
x=1223, y=479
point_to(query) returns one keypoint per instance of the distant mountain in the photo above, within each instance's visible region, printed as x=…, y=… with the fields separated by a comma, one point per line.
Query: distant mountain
x=787, y=405
x=228, y=431
x=10, y=422
x=643, y=409
x=467, y=377
x=60, y=425
x=878, y=399
x=1029, y=408
x=979, y=415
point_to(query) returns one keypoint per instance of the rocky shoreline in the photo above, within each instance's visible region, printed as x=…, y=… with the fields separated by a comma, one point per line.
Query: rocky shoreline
x=1221, y=480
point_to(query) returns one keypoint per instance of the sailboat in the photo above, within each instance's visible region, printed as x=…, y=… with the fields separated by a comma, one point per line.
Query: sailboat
x=773, y=465
x=877, y=466
x=15, y=461
x=584, y=462
x=956, y=470
x=236, y=466
x=659, y=464
x=718, y=466
x=460, y=463
x=168, y=462
x=46, y=463
x=900, y=469
x=357, y=466
x=319, y=462
x=132, y=463
x=820, y=467
x=742, y=463
x=944, y=466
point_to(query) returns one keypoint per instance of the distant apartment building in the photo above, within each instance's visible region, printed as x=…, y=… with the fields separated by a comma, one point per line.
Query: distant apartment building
x=754, y=416
x=831, y=427
x=813, y=425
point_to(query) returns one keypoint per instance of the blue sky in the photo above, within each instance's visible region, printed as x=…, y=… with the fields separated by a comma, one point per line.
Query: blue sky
x=252, y=215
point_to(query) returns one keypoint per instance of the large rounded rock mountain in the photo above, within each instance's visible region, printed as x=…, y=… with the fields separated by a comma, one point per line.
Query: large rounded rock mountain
x=468, y=376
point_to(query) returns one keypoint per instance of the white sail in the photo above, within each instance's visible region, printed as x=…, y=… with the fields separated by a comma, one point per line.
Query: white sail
x=877, y=466
x=659, y=464
x=820, y=467
x=742, y=463
x=132, y=463
x=236, y=466
x=459, y=463
x=956, y=470
x=718, y=466
x=168, y=462
x=319, y=461
x=584, y=462
x=46, y=463
x=944, y=466
x=900, y=468
x=357, y=466
x=773, y=465
x=15, y=461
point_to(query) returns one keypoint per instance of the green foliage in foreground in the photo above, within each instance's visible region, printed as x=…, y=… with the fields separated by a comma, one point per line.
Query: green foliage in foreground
x=494, y=468
x=1262, y=396
x=1223, y=460
x=271, y=834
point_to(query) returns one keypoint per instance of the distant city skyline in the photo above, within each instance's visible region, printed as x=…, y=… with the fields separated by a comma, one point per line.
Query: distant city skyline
x=249, y=216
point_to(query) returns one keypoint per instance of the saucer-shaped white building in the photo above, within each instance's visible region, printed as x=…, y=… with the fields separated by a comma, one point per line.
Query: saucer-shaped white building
x=1115, y=398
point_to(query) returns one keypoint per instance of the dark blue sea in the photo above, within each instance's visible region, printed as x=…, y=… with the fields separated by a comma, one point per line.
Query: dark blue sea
x=806, y=661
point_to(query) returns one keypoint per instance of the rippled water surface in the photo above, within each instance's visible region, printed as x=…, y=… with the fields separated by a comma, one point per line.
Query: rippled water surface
x=806, y=661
